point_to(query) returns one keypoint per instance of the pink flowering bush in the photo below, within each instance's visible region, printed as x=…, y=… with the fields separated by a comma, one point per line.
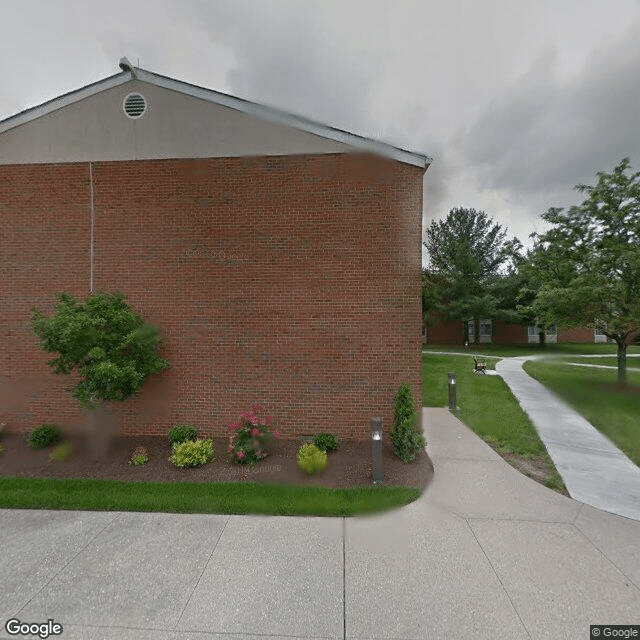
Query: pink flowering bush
x=249, y=436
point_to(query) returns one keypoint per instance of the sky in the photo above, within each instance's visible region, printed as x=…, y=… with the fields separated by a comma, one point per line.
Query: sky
x=516, y=101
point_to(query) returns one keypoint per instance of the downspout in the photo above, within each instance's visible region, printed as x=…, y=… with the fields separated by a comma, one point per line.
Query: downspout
x=92, y=225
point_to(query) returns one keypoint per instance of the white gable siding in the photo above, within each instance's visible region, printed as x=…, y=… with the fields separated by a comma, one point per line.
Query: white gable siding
x=175, y=126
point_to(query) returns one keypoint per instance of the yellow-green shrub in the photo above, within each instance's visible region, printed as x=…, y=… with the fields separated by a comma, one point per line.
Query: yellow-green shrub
x=192, y=453
x=311, y=459
x=61, y=453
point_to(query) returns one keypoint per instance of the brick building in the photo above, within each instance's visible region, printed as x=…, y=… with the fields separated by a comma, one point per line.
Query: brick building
x=280, y=258
x=499, y=332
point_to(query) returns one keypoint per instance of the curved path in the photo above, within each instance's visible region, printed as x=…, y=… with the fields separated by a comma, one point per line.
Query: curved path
x=594, y=470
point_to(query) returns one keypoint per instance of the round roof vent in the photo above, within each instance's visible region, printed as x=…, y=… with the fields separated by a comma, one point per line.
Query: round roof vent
x=135, y=105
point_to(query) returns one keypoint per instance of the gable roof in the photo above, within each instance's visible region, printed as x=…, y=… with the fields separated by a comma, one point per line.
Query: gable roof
x=269, y=114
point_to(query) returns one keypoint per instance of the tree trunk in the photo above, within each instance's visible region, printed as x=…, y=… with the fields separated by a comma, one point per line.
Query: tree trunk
x=476, y=330
x=542, y=338
x=465, y=333
x=622, y=360
x=100, y=432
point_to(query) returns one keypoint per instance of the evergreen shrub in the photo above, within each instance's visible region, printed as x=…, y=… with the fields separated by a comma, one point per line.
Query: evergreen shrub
x=182, y=433
x=326, y=442
x=407, y=440
x=44, y=436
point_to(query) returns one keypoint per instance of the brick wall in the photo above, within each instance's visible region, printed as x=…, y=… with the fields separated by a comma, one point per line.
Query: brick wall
x=291, y=281
x=445, y=332
x=452, y=332
x=575, y=334
x=504, y=333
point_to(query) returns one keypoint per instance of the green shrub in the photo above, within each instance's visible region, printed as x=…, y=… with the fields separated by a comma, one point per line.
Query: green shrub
x=44, y=436
x=407, y=440
x=61, y=453
x=182, y=433
x=311, y=459
x=326, y=442
x=192, y=453
x=405, y=406
x=139, y=457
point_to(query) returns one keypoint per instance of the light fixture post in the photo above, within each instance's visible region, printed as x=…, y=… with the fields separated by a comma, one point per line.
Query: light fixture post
x=376, y=449
x=453, y=405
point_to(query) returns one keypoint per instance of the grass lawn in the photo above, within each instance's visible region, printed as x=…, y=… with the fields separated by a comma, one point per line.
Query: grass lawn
x=514, y=350
x=632, y=360
x=489, y=409
x=193, y=497
x=614, y=411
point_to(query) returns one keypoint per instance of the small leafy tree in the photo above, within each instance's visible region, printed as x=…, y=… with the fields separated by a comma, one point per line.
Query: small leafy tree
x=407, y=441
x=588, y=263
x=109, y=346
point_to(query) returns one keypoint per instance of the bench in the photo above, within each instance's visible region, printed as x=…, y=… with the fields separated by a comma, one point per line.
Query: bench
x=480, y=366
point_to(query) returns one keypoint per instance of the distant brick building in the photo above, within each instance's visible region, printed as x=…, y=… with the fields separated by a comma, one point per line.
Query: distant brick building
x=499, y=332
x=280, y=258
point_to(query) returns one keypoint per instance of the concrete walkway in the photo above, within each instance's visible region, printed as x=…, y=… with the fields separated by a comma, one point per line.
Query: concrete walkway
x=594, y=470
x=485, y=553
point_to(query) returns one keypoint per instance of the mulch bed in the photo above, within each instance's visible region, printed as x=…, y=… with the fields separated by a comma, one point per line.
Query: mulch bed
x=349, y=466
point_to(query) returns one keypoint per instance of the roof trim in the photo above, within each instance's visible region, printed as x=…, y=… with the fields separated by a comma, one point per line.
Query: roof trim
x=263, y=112
x=62, y=101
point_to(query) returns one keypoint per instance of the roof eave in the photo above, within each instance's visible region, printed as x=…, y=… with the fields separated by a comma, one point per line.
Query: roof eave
x=263, y=112
x=277, y=116
x=62, y=101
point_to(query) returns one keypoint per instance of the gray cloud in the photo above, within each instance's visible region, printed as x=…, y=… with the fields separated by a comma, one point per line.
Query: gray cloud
x=284, y=59
x=546, y=134
x=516, y=104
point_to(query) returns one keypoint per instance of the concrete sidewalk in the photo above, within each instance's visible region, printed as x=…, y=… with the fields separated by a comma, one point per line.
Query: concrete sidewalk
x=485, y=553
x=594, y=470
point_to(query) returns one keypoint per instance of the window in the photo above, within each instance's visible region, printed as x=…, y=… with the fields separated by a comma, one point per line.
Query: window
x=534, y=330
x=598, y=336
x=485, y=328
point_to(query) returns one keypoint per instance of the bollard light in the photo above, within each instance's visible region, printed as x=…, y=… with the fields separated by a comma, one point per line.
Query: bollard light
x=376, y=449
x=452, y=392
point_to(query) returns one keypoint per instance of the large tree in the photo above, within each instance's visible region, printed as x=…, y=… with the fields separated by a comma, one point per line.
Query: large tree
x=588, y=263
x=468, y=256
x=105, y=342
